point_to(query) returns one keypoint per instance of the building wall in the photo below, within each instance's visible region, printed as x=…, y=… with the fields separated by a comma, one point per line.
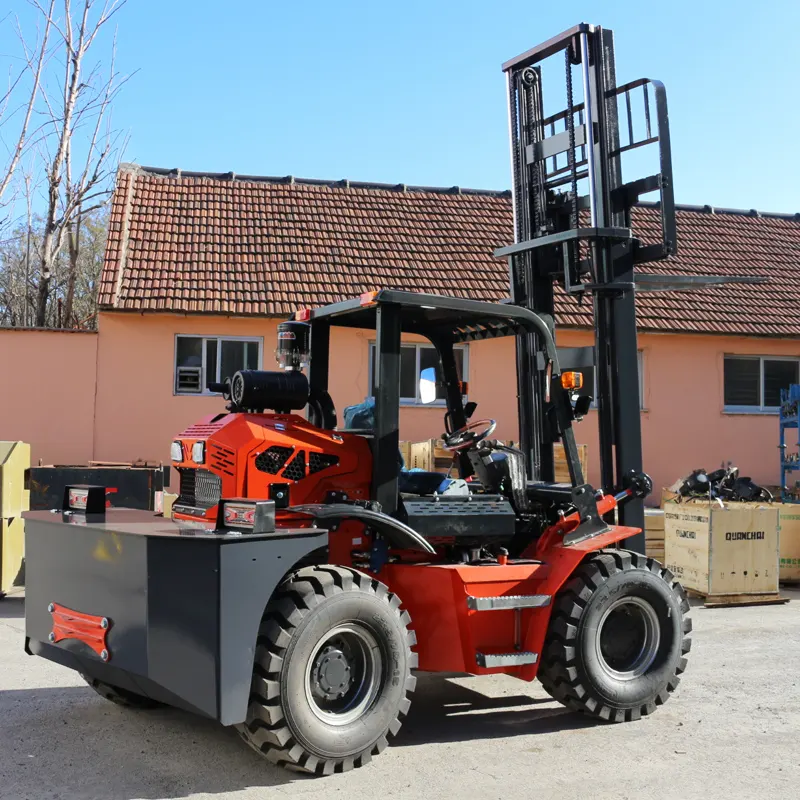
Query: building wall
x=136, y=413
x=48, y=394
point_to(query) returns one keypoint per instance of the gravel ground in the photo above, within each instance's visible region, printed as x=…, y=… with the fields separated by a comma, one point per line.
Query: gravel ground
x=732, y=730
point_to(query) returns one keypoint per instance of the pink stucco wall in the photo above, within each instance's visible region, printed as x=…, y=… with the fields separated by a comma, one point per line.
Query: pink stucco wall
x=48, y=392
x=136, y=413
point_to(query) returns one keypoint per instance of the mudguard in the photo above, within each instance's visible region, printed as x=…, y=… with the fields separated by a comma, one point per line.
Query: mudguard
x=181, y=606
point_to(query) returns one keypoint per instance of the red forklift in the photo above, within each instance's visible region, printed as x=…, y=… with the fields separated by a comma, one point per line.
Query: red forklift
x=306, y=573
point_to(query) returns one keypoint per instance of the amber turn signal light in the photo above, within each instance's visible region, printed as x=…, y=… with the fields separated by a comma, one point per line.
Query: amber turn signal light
x=572, y=380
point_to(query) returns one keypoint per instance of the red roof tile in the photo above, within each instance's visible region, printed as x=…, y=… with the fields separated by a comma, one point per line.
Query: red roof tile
x=225, y=245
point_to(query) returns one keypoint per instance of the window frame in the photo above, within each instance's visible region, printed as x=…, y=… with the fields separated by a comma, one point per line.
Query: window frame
x=760, y=408
x=259, y=340
x=416, y=402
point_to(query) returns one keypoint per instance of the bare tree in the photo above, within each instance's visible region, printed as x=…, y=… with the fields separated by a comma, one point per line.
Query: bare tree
x=35, y=58
x=83, y=107
x=19, y=274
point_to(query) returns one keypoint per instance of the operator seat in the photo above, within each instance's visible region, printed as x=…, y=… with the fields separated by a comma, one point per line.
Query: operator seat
x=360, y=419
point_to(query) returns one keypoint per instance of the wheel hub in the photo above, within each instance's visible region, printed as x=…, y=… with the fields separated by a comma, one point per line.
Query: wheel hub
x=628, y=638
x=331, y=673
x=345, y=674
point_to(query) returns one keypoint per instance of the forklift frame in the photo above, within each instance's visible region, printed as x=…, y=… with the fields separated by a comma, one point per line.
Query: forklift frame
x=445, y=322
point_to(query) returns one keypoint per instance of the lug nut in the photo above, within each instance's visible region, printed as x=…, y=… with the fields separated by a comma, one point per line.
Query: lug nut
x=104, y=655
x=51, y=608
x=51, y=637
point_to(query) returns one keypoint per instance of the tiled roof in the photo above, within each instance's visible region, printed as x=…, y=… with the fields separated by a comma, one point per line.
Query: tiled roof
x=225, y=244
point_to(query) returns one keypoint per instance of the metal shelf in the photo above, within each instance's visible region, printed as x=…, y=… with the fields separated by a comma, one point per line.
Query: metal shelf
x=789, y=419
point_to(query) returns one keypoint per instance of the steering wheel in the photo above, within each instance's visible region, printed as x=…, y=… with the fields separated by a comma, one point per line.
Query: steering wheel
x=469, y=435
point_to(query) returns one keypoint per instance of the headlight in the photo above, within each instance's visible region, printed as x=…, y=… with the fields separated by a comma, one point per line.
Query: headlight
x=176, y=451
x=199, y=452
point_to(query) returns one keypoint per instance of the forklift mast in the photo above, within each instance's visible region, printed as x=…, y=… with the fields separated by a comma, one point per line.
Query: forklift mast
x=572, y=227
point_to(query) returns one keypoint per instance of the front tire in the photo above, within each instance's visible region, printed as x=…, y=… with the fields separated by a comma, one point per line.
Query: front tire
x=332, y=673
x=618, y=637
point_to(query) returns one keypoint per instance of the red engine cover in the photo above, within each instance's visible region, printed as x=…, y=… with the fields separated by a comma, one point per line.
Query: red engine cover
x=248, y=453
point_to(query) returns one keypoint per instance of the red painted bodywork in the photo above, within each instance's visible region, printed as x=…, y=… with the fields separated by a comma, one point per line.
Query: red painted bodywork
x=434, y=592
x=69, y=624
x=449, y=634
x=233, y=442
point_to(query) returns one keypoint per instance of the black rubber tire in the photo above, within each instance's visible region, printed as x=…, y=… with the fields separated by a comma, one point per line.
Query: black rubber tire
x=122, y=697
x=281, y=723
x=571, y=670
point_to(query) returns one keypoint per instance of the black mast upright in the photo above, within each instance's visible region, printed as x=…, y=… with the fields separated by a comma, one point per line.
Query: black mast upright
x=572, y=227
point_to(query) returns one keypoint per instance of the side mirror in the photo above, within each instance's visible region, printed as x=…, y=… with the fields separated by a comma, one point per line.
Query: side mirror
x=582, y=405
x=427, y=386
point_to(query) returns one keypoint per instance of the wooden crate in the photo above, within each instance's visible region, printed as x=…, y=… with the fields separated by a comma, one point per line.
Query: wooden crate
x=729, y=555
x=431, y=456
x=790, y=542
x=15, y=459
x=562, y=473
x=405, y=450
x=654, y=533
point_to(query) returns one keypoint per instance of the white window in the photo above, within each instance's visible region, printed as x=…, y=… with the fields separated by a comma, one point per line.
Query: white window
x=590, y=381
x=754, y=383
x=200, y=360
x=413, y=359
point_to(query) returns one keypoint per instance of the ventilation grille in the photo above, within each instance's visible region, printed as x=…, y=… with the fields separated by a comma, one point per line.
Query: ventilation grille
x=202, y=429
x=319, y=461
x=222, y=459
x=296, y=469
x=273, y=459
x=200, y=488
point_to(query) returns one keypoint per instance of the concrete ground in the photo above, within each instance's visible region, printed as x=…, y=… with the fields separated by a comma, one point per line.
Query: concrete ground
x=732, y=730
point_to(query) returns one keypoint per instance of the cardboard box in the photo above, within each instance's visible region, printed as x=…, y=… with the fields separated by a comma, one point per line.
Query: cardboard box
x=729, y=550
x=790, y=542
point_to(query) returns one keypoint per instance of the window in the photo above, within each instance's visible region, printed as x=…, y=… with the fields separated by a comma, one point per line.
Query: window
x=590, y=382
x=413, y=359
x=200, y=360
x=754, y=383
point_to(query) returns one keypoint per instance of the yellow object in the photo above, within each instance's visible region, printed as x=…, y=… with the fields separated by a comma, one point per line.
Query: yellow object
x=790, y=542
x=15, y=460
x=169, y=499
x=12, y=544
x=572, y=380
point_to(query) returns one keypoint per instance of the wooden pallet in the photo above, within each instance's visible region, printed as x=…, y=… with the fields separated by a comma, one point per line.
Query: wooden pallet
x=728, y=600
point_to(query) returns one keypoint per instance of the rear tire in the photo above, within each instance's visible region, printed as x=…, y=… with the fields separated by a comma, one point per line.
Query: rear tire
x=618, y=637
x=332, y=673
x=119, y=696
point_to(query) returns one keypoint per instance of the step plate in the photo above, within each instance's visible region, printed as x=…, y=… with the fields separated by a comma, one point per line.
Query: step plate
x=505, y=659
x=508, y=601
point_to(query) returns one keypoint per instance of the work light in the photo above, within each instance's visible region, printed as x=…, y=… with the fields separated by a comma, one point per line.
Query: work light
x=199, y=452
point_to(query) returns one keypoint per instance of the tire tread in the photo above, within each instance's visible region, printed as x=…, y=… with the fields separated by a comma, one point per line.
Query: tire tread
x=558, y=674
x=266, y=729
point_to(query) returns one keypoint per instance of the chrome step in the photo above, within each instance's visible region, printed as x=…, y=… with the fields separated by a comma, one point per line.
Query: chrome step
x=507, y=601
x=505, y=659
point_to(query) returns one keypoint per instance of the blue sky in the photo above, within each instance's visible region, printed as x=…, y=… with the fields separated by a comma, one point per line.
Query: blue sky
x=412, y=92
